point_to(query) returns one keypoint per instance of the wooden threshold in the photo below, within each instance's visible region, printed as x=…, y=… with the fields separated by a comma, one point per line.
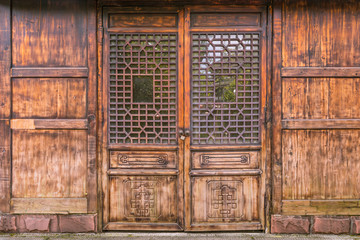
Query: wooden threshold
x=321, y=124
x=321, y=207
x=48, y=205
x=28, y=124
x=239, y=226
x=71, y=72
x=321, y=72
x=115, y=226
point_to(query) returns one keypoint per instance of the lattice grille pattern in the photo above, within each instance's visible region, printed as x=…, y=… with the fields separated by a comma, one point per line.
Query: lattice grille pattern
x=225, y=88
x=146, y=63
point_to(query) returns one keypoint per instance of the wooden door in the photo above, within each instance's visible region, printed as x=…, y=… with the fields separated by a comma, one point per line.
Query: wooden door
x=184, y=92
x=225, y=89
x=143, y=108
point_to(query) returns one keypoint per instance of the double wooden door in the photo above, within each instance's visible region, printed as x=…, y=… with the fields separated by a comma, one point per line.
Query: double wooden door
x=184, y=92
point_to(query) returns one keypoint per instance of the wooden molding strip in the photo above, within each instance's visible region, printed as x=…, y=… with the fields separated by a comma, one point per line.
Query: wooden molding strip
x=227, y=148
x=321, y=207
x=321, y=124
x=239, y=226
x=48, y=205
x=50, y=72
x=140, y=172
x=27, y=124
x=241, y=172
x=145, y=147
x=300, y=72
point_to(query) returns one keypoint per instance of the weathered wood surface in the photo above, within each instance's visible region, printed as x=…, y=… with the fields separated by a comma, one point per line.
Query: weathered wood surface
x=53, y=98
x=319, y=108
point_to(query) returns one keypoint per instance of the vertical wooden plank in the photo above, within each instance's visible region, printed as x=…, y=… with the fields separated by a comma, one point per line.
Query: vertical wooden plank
x=91, y=107
x=181, y=117
x=5, y=166
x=5, y=106
x=187, y=109
x=100, y=117
x=276, y=93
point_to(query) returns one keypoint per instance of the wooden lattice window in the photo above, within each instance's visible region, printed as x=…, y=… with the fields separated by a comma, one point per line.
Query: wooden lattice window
x=143, y=88
x=225, y=80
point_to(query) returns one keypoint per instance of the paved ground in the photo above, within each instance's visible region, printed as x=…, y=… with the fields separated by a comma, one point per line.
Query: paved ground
x=173, y=236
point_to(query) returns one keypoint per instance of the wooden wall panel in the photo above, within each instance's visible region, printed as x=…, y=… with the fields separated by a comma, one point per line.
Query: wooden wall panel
x=49, y=33
x=49, y=98
x=321, y=33
x=321, y=164
x=321, y=98
x=49, y=163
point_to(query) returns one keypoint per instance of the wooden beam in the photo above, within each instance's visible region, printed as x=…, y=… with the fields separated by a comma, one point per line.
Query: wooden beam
x=321, y=72
x=46, y=72
x=48, y=205
x=321, y=207
x=143, y=226
x=321, y=124
x=28, y=124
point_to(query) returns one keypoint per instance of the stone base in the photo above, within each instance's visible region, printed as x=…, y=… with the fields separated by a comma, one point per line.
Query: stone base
x=315, y=224
x=48, y=223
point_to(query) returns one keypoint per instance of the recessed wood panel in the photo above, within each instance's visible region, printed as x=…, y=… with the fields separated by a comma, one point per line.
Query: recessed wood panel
x=321, y=164
x=49, y=98
x=143, y=199
x=321, y=33
x=321, y=98
x=49, y=33
x=224, y=199
x=224, y=160
x=224, y=19
x=142, y=20
x=49, y=163
x=142, y=159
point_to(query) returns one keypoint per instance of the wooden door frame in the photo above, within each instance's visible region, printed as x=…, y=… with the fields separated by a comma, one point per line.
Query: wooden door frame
x=102, y=153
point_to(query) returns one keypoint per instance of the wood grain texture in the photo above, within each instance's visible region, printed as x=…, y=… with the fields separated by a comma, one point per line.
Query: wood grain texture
x=41, y=72
x=92, y=102
x=143, y=199
x=49, y=163
x=224, y=160
x=143, y=20
x=320, y=72
x=276, y=108
x=321, y=98
x=321, y=164
x=5, y=59
x=49, y=33
x=49, y=124
x=209, y=194
x=225, y=19
x=5, y=165
x=49, y=98
x=321, y=207
x=321, y=33
x=321, y=124
x=48, y=205
x=143, y=159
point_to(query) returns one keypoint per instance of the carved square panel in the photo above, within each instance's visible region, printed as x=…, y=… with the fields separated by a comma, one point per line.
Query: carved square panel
x=224, y=199
x=143, y=199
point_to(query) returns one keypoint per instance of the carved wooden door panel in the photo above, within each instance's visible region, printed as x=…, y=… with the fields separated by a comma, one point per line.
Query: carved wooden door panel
x=225, y=76
x=183, y=145
x=143, y=170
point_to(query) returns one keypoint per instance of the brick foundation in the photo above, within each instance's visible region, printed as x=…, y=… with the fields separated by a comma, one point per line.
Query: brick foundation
x=315, y=224
x=48, y=223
